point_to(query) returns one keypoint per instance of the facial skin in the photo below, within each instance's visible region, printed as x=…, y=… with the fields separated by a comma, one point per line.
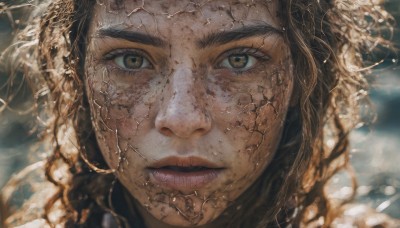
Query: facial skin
x=194, y=84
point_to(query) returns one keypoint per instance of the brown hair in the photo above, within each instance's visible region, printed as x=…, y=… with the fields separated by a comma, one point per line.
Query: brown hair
x=327, y=39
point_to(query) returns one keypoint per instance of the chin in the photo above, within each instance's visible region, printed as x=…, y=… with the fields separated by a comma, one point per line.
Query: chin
x=191, y=217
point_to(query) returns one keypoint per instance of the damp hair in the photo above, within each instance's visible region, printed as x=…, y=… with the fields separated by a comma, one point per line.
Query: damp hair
x=327, y=39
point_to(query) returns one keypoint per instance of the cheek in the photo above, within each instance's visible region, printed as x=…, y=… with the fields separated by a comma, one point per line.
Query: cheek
x=252, y=115
x=253, y=121
x=119, y=109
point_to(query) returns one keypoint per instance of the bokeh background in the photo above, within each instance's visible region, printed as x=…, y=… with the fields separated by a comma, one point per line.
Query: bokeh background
x=375, y=149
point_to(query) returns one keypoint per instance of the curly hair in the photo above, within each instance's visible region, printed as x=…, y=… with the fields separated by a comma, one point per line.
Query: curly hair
x=327, y=40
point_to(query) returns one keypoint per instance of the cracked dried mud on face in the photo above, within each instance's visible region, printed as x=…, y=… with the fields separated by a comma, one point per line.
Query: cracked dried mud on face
x=160, y=85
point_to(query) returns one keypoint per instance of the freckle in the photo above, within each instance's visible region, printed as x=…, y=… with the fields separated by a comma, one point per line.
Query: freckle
x=210, y=92
x=244, y=99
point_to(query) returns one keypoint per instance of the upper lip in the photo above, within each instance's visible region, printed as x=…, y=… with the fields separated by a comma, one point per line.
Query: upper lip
x=184, y=162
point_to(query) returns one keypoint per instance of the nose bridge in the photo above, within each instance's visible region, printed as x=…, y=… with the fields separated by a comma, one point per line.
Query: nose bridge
x=182, y=100
x=183, y=112
x=182, y=85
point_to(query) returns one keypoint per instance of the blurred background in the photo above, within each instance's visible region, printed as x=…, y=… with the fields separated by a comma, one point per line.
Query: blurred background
x=375, y=149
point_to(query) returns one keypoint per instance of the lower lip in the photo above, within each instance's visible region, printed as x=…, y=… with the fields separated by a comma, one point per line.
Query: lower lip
x=184, y=180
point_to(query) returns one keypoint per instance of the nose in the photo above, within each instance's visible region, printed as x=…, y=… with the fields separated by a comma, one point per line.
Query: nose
x=183, y=114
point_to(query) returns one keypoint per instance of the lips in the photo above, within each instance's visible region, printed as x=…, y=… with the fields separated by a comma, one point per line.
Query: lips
x=187, y=173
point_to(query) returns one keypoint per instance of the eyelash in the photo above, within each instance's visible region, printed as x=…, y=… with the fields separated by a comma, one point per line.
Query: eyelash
x=252, y=52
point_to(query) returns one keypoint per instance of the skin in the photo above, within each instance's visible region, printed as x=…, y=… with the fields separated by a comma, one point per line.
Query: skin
x=183, y=99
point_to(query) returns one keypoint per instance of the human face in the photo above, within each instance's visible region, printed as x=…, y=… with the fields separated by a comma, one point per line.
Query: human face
x=188, y=100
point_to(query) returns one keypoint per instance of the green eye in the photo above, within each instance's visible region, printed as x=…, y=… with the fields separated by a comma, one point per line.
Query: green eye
x=132, y=61
x=239, y=62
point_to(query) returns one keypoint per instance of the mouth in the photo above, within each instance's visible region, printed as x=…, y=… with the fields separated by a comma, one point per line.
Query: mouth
x=190, y=169
x=183, y=174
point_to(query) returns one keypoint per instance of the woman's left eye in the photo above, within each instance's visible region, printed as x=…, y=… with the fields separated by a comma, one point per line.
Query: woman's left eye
x=238, y=62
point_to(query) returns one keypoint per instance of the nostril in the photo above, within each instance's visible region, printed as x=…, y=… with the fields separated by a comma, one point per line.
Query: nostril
x=201, y=131
x=181, y=131
x=166, y=131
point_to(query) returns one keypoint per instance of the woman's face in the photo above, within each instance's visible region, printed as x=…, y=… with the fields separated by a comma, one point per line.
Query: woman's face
x=188, y=100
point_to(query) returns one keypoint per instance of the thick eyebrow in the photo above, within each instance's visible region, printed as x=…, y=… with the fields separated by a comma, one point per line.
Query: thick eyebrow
x=237, y=34
x=131, y=36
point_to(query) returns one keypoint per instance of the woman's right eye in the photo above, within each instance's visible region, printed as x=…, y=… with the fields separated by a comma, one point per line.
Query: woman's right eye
x=128, y=59
x=131, y=61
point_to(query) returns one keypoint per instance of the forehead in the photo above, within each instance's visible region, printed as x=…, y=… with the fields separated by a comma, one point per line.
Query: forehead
x=157, y=16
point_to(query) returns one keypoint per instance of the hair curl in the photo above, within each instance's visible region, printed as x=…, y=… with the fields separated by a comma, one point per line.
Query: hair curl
x=326, y=38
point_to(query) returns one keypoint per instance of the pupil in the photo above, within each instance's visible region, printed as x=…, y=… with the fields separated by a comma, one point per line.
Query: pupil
x=133, y=61
x=238, y=61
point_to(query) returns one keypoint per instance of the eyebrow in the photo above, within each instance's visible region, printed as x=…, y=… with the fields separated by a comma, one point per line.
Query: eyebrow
x=237, y=34
x=209, y=40
x=132, y=36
